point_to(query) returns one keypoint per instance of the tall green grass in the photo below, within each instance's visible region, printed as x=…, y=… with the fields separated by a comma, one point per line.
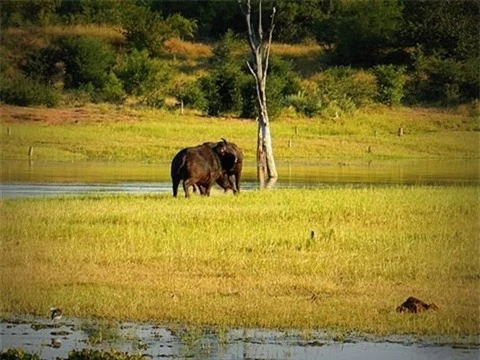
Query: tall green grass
x=251, y=260
x=109, y=133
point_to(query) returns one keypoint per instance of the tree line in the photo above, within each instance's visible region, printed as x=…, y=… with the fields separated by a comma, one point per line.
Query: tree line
x=377, y=51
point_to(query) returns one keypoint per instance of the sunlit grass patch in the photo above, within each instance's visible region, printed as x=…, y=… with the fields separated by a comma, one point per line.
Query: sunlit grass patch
x=140, y=134
x=187, y=49
x=251, y=260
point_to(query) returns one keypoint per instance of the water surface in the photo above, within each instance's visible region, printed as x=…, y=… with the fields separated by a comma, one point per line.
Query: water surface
x=157, y=342
x=27, y=179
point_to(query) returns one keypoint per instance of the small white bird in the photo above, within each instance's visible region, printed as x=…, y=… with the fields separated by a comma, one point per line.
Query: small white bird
x=56, y=343
x=55, y=314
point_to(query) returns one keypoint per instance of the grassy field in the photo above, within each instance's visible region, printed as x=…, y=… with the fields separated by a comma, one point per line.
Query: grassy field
x=104, y=132
x=249, y=260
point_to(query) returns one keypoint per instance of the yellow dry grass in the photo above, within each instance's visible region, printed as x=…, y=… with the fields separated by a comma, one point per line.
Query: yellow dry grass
x=250, y=260
x=178, y=47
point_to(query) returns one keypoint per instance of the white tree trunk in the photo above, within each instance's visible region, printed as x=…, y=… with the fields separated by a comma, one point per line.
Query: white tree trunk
x=258, y=66
x=261, y=160
x=271, y=167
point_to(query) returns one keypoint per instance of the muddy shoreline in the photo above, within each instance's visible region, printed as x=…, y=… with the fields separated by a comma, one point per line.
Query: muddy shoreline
x=50, y=340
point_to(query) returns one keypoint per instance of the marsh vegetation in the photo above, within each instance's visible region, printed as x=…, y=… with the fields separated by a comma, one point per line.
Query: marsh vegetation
x=214, y=262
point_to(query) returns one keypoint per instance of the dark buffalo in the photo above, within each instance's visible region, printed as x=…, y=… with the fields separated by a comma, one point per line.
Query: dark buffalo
x=232, y=164
x=199, y=167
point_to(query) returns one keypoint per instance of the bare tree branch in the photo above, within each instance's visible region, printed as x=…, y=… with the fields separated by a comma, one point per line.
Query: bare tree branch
x=257, y=83
x=260, y=27
x=269, y=45
x=247, y=13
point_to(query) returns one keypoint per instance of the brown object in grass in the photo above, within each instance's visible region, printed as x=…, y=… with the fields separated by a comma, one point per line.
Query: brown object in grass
x=414, y=305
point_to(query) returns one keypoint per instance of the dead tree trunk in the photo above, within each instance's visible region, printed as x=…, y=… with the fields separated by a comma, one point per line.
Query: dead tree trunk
x=258, y=66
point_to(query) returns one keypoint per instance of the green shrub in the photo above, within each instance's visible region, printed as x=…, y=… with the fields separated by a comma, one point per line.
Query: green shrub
x=190, y=93
x=145, y=77
x=222, y=87
x=112, y=90
x=17, y=354
x=222, y=91
x=138, y=71
x=391, y=82
x=444, y=81
x=181, y=27
x=154, y=99
x=305, y=103
x=91, y=354
x=87, y=60
x=43, y=65
x=23, y=91
x=342, y=90
x=145, y=29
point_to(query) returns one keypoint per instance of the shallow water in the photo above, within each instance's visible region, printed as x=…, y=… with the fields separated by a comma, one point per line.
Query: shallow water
x=31, y=179
x=51, y=341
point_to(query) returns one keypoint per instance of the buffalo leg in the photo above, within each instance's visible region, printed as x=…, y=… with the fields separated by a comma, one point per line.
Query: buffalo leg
x=175, y=182
x=186, y=186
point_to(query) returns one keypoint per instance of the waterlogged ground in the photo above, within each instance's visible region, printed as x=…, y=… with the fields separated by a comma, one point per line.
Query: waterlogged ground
x=52, y=341
x=27, y=179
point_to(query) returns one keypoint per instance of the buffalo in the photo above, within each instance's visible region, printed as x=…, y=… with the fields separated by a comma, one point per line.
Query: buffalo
x=199, y=167
x=232, y=164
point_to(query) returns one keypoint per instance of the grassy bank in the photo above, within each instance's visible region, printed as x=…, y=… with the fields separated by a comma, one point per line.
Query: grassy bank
x=108, y=133
x=249, y=260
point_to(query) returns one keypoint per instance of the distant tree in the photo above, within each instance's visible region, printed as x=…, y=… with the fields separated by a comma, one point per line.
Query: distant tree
x=144, y=76
x=391, y=82
x=94, y=11
x=449, y=29
x=147, y=29
x=365, y=28
x=214, y=18
x=43, y=65
x=32, y=12
x=181, y=27
x=222, y=86
x=296, y=20
x=323, y=27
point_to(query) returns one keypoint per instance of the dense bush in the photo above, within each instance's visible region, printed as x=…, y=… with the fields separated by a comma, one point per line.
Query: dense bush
x=87, y=60
x=222, y=87
x=222, y=91
x=43, y=65
x=112, y=90
x=133, y=70
x=144, y=76
x=364, y=30
x=17, y=354
x=305, y=103
x=190, y=93
x=391, y=82
x=145, y=29
x=444, y=81
x=23, y=91
x=342, y=90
